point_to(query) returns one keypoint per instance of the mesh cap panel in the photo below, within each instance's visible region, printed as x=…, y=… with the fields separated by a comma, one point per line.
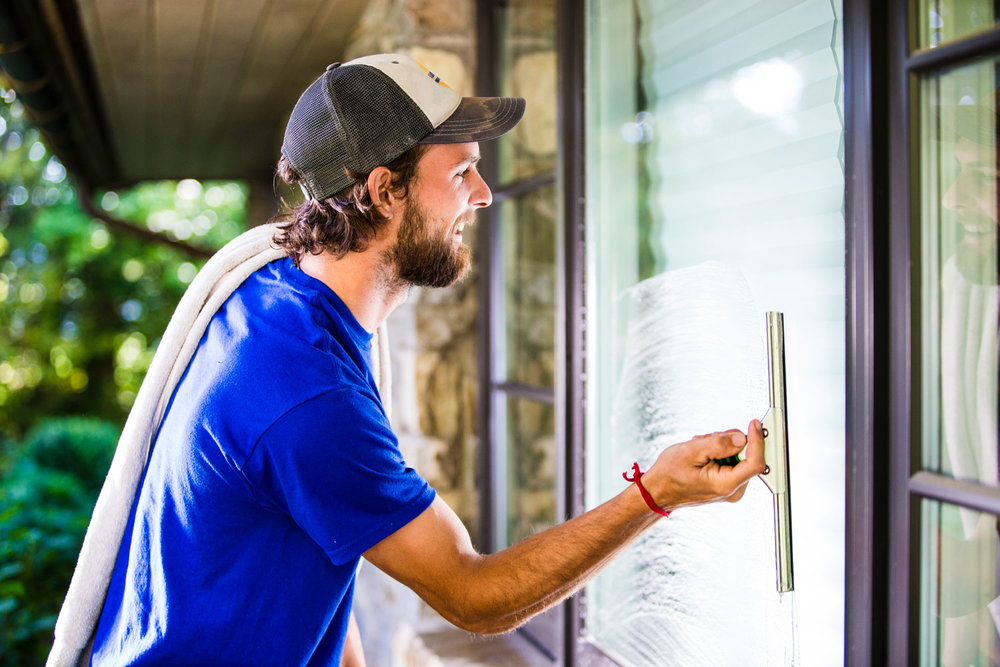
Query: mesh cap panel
x=384, y=121
x=315, y=143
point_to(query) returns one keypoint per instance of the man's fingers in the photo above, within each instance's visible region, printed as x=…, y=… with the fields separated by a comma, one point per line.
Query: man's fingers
x=721, y=445
x=697, y=473
x=736, y=477
x=755, y=447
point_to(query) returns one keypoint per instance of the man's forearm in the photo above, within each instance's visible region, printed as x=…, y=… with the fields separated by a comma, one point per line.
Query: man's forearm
x=527, y=578
x=434, y=556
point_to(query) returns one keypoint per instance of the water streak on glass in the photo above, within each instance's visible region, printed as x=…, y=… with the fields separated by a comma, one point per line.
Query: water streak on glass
x=693, y=333
x=959, y=596
x=715, y=144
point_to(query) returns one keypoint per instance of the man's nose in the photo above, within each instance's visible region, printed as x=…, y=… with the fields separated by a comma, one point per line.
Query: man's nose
x=481, y=196
x=956, y=197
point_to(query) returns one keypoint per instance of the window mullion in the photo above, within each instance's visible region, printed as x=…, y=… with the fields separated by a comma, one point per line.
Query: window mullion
x=956, y=491
x=958, y=51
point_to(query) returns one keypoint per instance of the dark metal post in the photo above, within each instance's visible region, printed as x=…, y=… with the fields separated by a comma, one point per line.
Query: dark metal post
x=486, y=84
x=866, y=176
x=570, y=384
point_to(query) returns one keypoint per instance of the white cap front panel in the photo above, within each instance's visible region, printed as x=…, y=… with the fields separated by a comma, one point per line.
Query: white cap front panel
x=433, y=96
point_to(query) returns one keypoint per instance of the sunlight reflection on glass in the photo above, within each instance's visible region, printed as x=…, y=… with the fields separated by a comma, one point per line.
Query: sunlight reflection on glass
x=769, y=88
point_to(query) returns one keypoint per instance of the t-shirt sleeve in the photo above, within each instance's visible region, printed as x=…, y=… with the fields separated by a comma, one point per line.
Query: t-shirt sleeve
x=333, y=463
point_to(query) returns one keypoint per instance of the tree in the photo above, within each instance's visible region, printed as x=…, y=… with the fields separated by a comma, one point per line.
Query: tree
x=81, y=312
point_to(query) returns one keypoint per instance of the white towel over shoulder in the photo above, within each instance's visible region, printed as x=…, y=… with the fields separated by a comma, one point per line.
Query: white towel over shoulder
x=222, y=274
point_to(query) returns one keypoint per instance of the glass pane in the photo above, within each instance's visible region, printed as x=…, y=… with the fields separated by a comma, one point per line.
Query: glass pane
x=529, y=260
x=944, y=20
x=528, y=69
x=715, y=192
x=958, y=265
x=531, y=468
x=959, y=586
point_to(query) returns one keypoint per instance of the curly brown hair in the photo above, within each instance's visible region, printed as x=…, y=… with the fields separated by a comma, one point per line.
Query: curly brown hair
x=347, y=221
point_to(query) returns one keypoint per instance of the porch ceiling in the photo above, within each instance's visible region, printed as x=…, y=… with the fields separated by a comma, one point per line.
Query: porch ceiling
x=175, y=88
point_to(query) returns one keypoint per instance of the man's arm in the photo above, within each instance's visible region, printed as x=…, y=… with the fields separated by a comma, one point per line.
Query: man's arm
x=353, y=655
x=490, y=594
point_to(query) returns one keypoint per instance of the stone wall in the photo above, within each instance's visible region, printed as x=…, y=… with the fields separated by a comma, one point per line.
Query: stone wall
x=529, y=222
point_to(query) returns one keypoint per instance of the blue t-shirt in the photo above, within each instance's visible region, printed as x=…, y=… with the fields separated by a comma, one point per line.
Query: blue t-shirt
x=274, y=469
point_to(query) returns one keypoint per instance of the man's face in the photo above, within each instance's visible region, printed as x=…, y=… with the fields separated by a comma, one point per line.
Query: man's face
x=973, y=195
x=442, y=199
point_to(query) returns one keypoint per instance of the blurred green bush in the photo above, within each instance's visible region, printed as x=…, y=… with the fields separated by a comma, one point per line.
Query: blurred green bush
x=50, y=484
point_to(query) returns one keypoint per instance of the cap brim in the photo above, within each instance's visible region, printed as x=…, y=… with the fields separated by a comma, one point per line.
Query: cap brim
x=478, y=119
x=974, y=122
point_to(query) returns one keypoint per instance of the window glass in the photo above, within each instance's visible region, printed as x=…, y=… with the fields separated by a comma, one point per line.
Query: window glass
x=959, y=592
x=529, y=240
x=531, y=466
x=526, y=469
x=941, y=21
x=958, y=272
x=528, y=69
x=715, y=192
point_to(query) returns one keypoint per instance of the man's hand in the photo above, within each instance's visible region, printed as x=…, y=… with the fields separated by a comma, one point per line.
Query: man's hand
x=434, y=556
x=689, y=473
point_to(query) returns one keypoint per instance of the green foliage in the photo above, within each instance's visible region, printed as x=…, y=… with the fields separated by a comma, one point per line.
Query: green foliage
x=81, y=311
x=81, y=308
x=78, y=446
x=46, y=499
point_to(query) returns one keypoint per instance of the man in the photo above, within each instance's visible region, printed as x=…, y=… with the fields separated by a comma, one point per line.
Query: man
x=275, y=468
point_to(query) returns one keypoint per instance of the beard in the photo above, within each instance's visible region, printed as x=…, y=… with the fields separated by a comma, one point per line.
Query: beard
x=422, y=259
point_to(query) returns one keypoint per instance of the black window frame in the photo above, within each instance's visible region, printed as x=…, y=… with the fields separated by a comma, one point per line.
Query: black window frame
x=908, y=483
x=885, y=484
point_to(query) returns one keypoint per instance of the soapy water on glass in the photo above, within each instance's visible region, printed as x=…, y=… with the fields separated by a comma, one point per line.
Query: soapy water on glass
x=698, y=589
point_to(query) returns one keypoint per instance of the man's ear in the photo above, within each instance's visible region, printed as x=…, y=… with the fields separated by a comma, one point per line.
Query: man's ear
x=381, y=192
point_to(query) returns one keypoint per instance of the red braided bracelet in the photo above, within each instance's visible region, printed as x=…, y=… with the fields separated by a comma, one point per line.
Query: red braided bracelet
x=636, y=476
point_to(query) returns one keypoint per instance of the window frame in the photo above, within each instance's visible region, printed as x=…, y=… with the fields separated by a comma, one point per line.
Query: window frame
x=897, y=336
x=909, y=482
x=866, y=167
x=494, y=388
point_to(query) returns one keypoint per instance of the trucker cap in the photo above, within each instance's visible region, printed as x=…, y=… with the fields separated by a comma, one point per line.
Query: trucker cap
x=366, y=112
x=976, y=119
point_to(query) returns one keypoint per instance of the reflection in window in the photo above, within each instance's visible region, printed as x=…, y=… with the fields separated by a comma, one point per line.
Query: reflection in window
x=960, y=597
x=942, y=21
x=529, y=242
x=958, y=233
x=531, y=465
x=960, y=607
x=528, y=70
x=523, y=251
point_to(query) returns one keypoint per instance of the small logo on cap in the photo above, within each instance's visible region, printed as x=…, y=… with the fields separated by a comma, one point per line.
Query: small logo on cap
x=434, y=77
